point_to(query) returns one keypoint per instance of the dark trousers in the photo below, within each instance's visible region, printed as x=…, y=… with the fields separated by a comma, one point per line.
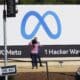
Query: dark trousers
x=34, y=60
x=39, y=59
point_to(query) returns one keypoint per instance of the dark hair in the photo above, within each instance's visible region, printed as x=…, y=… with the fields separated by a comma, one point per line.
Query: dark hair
x=34, y=41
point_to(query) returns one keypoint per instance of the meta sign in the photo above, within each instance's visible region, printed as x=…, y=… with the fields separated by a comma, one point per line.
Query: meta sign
x=56, y=26
x=41, y=22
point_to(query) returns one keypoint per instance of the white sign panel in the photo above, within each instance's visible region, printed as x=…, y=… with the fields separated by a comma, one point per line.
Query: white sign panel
x=52, y=24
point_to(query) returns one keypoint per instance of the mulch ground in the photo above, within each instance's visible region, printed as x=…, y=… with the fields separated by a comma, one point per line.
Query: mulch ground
x=42, y=76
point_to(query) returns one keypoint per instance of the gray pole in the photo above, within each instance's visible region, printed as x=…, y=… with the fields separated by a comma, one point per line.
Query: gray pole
x=5, y=39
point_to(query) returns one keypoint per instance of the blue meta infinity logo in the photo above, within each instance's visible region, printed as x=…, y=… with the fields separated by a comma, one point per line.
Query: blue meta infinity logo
x=41, y=22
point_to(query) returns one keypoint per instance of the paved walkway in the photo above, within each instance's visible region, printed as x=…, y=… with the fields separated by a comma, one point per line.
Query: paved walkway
x=55, y=66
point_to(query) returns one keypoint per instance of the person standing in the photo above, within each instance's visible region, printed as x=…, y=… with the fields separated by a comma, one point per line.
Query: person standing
x=35, y=53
